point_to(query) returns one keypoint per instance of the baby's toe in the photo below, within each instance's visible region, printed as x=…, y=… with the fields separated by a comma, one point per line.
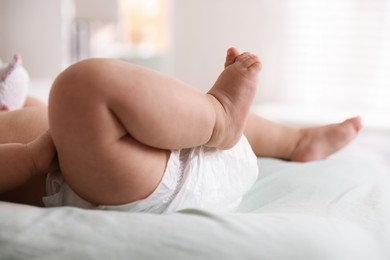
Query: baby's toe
x=231, y=56
x=248, y=60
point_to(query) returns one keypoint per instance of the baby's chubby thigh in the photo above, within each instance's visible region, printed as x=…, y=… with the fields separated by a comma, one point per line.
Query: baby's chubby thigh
x=99, y=159
x=116, y=174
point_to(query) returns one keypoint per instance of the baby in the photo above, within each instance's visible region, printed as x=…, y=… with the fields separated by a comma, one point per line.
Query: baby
x=128, y=138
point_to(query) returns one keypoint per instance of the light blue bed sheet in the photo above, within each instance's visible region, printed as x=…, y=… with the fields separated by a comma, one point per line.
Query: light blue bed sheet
x=332, y=209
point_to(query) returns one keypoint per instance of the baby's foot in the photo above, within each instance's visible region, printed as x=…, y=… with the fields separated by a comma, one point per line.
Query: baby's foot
x=232, y=96
x=231, y=55
x=320, y=142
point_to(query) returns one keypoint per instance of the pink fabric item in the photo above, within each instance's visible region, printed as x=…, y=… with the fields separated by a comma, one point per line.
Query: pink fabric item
x=14, y=84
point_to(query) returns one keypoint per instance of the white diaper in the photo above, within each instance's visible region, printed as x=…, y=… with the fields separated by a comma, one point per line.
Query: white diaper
x=201, y=177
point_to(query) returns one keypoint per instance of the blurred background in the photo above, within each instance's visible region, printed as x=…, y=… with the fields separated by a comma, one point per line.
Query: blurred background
x=322, y=60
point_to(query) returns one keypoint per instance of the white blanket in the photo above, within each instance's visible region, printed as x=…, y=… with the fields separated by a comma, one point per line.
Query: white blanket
x=333, y=209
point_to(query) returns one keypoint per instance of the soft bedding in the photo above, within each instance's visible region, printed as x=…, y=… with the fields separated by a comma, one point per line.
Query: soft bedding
x=334, y=209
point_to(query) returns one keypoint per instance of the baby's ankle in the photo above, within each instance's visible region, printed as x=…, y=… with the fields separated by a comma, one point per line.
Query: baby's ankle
x=225, y=133
x=220, y=123
x=293, y=142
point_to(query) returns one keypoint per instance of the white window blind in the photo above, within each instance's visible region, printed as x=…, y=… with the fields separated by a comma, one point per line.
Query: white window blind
x=336, y=53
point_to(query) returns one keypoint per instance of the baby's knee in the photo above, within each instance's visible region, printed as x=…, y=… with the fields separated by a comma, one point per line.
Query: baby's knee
x=92, y=81
x=75, y=91
x=77, y=80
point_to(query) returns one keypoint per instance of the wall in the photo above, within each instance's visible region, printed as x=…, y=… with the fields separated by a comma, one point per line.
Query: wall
x=104, y=10
x=36, y=30
x=203, y=30
x=2, y=22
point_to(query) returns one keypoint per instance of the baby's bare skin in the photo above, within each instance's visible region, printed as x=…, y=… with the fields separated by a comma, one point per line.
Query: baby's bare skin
x=109, y=117
x=235, y=89
x=232, y=95
x=320, y=142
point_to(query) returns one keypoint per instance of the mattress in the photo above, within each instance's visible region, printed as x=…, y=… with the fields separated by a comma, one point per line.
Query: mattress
x=332, y=209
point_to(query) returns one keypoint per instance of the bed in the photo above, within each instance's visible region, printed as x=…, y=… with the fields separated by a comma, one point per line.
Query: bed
x=336, y=209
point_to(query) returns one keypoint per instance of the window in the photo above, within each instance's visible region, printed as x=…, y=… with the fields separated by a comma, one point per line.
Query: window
x=145, y=25
x=336, y=54
x=133, y=30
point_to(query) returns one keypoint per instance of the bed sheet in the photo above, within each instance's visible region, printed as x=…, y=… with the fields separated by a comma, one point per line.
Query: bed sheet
x=332, y=209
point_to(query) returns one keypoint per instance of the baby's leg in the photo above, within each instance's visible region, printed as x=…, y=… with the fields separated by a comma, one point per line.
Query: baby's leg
x=114, y=123
x=272, y=139
x=23, y=126
x=155, y=109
